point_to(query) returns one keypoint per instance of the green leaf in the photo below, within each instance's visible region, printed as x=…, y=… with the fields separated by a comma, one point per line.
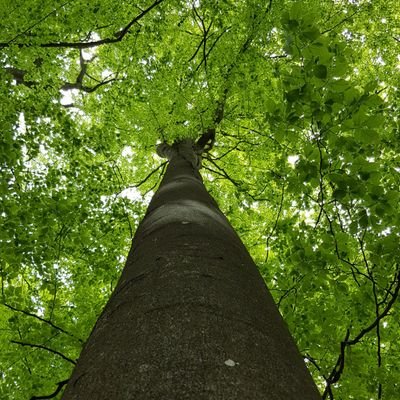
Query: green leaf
x=321, y=71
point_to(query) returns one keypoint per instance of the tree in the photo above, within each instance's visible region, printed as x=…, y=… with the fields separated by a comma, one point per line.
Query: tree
x=190, y=316
x=303, y=100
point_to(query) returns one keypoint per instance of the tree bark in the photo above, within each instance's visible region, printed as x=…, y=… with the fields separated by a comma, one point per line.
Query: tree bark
x=191, y=317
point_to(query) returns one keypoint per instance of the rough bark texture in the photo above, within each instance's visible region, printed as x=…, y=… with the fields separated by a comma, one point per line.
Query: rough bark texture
x=191, y=317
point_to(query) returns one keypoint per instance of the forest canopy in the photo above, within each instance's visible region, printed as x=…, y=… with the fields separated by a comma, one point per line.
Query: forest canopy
x=305, y=165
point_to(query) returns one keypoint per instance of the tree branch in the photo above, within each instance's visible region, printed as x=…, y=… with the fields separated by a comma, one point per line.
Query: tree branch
x=144, y=180
x=340, y=23
x=39, y=346
x=339, y=367
x=275, y=225
x=223, y=173
x=46, y=321
x=54, y=394
x=86, y=45
x=19, y=77
x=40, y=21
x=383, y=314
x=314, y=362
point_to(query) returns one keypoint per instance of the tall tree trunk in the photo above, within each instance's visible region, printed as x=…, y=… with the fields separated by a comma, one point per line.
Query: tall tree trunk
x=191, y=317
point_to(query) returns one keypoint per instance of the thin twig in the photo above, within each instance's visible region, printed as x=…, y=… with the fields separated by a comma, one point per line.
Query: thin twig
x=276, y=222
x=39, y=346
x=46, y=321
x=39, y=22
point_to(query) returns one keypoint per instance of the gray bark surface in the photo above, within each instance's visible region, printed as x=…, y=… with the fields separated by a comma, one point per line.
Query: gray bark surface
x=191, y=317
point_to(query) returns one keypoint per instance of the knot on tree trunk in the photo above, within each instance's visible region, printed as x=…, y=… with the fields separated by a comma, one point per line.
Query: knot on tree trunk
x=184, y=148
x=188, y=149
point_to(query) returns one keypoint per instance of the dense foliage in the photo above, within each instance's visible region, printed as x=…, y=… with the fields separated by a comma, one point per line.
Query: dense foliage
x=305, y=166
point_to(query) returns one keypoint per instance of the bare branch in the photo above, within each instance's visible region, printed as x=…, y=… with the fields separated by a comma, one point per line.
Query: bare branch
x=144, y=180
x=275, y=224
x=19, y=78
x=60, y=385
x=340, y=23
x=46, y=321
x=314, y=362
x=379, y=317
x=87, y=89
x=339, y=367
x=39, y=22
x=39, y=346
x=235, y=147
x=221, y=172
x=321, y=197
x=85, y=45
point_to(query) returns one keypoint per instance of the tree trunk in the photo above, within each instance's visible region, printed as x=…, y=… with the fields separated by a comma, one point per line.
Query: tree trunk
x=191, y=317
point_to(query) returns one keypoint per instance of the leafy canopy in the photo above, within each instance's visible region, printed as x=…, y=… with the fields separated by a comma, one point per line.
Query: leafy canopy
x=305, y=166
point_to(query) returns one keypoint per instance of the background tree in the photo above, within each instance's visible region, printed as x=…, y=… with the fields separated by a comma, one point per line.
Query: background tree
x=305, y=166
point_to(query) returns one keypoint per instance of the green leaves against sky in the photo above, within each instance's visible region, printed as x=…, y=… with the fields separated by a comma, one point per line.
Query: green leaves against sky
x=305, y=166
